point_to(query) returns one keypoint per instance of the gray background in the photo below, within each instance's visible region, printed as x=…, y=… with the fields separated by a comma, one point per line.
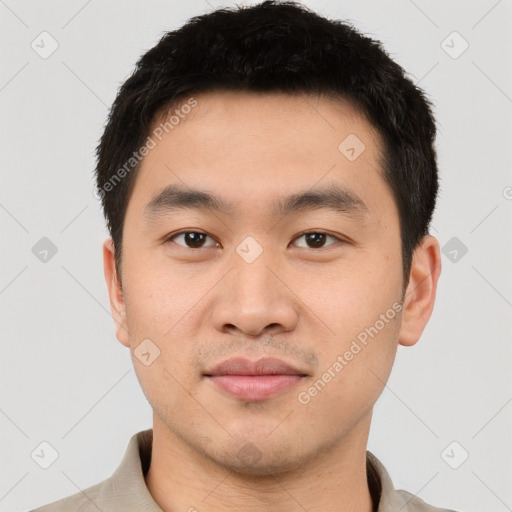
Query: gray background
x=66, y=380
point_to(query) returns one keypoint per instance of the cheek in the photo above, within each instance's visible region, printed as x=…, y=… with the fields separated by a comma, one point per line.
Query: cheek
x=152, y=297
x=157, y=310
x=358, y=308
x=351, y=296
x=351, y=376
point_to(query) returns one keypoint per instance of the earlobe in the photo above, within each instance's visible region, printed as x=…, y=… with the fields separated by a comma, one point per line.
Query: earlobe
x=115, y=292
x=421, y=291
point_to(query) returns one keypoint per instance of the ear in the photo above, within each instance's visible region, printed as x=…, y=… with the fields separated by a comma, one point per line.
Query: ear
x=421, y=291
x=115, y=292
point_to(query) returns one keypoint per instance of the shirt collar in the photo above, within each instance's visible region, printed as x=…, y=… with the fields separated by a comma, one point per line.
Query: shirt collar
x=126, y=489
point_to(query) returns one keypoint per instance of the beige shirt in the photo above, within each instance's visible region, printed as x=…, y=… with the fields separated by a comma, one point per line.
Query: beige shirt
x=126, y=491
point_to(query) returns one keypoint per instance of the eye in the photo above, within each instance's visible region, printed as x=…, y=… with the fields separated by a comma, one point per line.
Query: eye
x=316, y=239
x=191, y=239
x=196, y=240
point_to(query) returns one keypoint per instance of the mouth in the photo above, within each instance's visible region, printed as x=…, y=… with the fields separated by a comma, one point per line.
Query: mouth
x=254, y=380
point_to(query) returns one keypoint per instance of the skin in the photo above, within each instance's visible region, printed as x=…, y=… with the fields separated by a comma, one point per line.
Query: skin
x=299, y=302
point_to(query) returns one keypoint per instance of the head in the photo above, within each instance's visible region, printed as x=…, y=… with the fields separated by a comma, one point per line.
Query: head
x=268, y=177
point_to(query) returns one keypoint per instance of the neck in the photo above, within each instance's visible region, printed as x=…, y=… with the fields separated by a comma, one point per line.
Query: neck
x=182, y=479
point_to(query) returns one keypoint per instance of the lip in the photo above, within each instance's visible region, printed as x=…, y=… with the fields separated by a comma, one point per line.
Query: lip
x=254, y=380
x=262, y=366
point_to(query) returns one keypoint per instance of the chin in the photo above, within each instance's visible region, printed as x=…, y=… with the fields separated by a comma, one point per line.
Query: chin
x=260, y=458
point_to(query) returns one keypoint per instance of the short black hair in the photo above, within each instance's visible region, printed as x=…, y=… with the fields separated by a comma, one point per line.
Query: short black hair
x=275, y=46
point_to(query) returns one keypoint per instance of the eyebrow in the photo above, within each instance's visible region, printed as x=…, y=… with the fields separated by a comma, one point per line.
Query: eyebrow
x=333, y=197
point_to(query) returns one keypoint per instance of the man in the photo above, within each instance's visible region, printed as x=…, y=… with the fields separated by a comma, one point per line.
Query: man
x=268, y=178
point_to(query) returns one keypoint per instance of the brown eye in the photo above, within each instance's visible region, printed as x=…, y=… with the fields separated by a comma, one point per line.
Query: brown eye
x=316, y=239
x=191, y=239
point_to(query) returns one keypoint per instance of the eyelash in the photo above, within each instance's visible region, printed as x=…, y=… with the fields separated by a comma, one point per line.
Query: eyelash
x=174, y=235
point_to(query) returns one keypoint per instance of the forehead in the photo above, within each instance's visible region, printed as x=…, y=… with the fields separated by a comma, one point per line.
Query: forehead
x=273, y=111
x=248, y=147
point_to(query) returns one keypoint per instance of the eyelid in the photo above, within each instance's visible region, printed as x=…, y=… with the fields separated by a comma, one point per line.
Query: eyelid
x=319, y=232
x=168, y=238
x=339, y=239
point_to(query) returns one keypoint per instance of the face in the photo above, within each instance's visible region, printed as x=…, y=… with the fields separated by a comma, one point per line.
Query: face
x=290, y=279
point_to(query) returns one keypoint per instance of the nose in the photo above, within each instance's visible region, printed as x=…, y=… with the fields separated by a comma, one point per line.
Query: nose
x=255, y=299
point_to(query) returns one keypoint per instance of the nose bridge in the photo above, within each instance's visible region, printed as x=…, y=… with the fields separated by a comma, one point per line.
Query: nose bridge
x=253, y=278
x=254, y=298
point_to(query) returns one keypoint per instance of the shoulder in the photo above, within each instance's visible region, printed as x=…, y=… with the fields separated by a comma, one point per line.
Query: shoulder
x=87, y=500
x=414, y=504
x=124, y=489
